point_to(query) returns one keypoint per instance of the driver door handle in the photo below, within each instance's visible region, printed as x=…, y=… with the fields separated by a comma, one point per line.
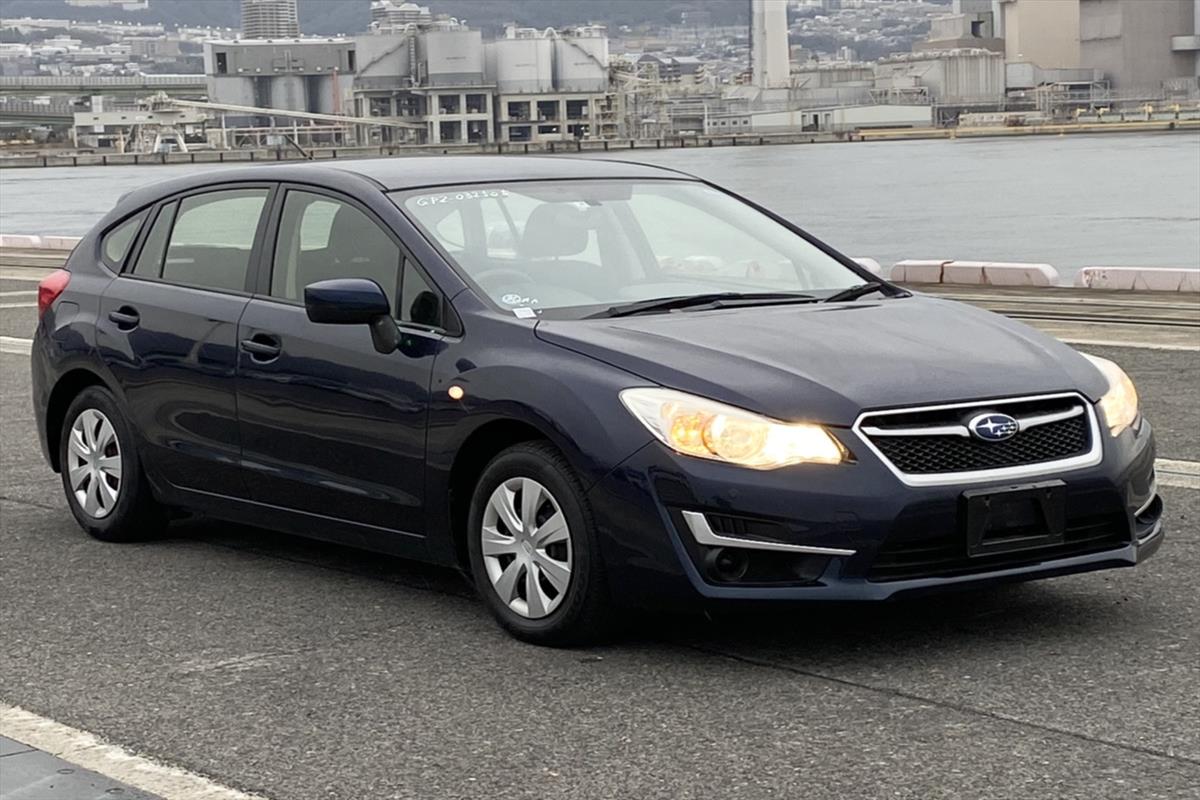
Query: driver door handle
x=263, y=347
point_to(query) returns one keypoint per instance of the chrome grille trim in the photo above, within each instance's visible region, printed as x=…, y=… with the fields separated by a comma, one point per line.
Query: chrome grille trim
x=1089, y=459
x=1023, y=424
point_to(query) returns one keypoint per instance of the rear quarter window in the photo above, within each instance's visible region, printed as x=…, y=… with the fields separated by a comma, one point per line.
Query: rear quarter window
x=115, y=244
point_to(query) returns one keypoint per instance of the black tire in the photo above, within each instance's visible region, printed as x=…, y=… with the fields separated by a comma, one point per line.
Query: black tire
x=135, y=515
x=584, y=615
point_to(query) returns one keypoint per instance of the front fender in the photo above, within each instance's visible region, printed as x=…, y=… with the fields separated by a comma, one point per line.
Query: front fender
x=507, y=374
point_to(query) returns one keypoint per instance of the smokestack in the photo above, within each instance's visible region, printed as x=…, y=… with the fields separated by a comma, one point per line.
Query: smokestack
x=769, y=65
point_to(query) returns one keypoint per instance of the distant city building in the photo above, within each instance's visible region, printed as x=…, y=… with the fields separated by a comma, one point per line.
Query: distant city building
x=270, y=19
x=673, y=68
x=769, y=66
x=1140, y=45
x=396, y=14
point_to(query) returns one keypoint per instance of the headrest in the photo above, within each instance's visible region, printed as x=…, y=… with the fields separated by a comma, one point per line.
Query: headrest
x=554, y=230
x=355, y=238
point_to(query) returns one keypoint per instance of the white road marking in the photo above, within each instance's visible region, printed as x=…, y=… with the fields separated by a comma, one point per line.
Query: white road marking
x=90, y=752
x=1192, y=348
x=1170, y=472
x=20, y=293
x=17, y=345
x=18, y=305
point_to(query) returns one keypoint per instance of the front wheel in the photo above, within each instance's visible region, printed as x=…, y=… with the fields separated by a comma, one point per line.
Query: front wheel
x=533, y=549
x=101, y=474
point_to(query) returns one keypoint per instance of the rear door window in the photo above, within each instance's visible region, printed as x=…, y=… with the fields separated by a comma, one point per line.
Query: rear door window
x=212, y=239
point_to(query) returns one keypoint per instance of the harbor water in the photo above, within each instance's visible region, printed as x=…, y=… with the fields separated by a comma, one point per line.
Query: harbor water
x=1104, y=200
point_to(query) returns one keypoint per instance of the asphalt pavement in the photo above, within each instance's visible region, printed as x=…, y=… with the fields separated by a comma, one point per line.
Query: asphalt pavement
x=303, y=670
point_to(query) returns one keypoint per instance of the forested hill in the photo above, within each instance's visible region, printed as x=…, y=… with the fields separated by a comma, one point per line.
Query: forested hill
x=352, y=16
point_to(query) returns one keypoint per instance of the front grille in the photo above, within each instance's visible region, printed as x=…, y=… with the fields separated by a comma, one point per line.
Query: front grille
x=946, y=556
x=943, y=452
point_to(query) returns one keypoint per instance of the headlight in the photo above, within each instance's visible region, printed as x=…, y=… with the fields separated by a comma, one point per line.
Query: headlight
x=1120, y=403
x=704, y=428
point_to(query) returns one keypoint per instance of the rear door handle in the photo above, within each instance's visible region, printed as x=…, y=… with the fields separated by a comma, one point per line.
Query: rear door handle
x=126, y=317
x=262, y=347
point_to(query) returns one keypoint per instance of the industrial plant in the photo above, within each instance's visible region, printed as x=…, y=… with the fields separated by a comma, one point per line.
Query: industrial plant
x=419, y=79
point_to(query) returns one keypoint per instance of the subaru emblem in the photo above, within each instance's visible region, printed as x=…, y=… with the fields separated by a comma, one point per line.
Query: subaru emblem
x=993, y=427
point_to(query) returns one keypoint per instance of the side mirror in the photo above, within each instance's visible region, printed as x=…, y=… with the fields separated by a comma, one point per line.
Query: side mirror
x=354, y=301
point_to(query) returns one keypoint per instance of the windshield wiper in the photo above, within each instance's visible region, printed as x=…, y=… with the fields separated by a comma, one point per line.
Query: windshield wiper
x=855, y=292
x=704, y=301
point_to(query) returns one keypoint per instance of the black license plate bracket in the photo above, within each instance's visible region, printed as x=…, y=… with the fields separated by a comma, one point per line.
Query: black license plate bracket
x=1015, y=517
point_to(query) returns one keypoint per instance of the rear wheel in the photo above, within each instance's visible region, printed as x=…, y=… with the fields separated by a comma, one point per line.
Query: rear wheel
x=533, y=549
x=101, y=473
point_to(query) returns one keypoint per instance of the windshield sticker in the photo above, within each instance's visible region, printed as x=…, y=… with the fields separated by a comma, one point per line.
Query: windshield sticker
x=524, y=313
x=514, y=299
x=458, y=197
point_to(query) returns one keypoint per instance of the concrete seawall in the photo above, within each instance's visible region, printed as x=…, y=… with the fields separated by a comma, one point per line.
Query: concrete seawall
x=584, y=145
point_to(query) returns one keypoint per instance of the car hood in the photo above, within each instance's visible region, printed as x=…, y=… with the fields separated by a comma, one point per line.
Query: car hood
x=828, y=362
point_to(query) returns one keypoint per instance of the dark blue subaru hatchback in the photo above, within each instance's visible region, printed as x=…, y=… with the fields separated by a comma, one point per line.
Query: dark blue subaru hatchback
x=591, y=384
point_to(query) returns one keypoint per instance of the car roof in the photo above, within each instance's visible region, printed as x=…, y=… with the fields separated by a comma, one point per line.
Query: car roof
x=417, y=171
x=400, y=172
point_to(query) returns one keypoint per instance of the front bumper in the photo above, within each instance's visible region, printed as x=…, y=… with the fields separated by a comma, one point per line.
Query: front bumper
x=871, y=537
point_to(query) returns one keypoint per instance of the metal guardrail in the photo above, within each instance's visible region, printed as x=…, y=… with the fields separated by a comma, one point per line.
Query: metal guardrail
x=30, y=82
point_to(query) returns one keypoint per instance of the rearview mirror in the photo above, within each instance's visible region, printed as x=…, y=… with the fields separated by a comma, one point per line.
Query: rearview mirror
x=354, y=301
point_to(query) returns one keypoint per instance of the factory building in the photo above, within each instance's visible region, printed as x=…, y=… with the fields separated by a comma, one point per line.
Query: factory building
x=288, y=74
x=432, y=75
x=270, y=19
x=972, y=25
x=832, y=119
x=1142, y=45
x=551, y=86
x=965, y=78
x=1043, y=32
x=392, y=14
x=530, y=85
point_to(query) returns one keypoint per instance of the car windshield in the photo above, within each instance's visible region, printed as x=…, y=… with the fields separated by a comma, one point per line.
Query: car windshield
x=575, y=248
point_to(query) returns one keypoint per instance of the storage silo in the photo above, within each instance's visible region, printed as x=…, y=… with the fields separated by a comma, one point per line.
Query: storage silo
x=288, y=92
x=451, y=58
x=521, y=64
x=581, y=60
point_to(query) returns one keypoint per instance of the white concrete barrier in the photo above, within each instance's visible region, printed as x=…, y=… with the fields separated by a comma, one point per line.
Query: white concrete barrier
x=60, y=242
x=975, y=273
x=917, y=271
x=1150, y=279
x=18, y=240
x=29, y=242
x=871, y=265
x=999, y=273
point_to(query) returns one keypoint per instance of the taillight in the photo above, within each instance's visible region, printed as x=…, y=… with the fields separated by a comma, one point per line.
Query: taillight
x=50, y=288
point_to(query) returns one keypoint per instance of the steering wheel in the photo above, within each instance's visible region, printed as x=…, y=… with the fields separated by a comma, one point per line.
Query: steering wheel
x=496, y=278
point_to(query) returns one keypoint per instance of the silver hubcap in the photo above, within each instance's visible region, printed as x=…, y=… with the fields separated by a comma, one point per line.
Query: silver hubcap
x=94, y=463
x=526, y=547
